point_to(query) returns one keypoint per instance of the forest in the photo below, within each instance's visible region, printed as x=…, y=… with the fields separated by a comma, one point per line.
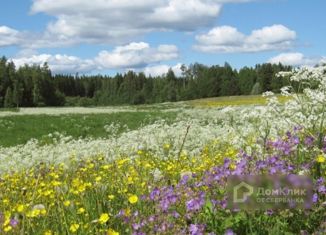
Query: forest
x=37, y=86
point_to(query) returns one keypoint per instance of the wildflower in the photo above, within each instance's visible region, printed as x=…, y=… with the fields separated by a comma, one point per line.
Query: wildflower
x=195, y=203
x=166, y=146
x=48, y=232
x=315, y=198
x=309, y=141
x=111, y=197
x=196, y=229
x=81, y=210
x=133, y=199
x=56, y=183
x=320, y=159
x=103, y=218
x=7, y=229
x=13, y=223
x=66, y=203
x=229, y=232
x=74, y=227
x=5, y=201
x=20, y=208
x=112, y=232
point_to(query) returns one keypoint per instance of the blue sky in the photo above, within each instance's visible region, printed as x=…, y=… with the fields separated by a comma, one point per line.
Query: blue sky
x=109, y=36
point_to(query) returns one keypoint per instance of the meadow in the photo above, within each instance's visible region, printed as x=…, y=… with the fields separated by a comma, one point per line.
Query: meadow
x=162, y=169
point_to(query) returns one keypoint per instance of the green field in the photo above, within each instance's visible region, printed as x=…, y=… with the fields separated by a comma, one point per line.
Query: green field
x=19, y=129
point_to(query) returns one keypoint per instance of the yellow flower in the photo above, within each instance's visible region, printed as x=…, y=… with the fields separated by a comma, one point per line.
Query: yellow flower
x=111, y=197
x=82, y=188
x=5, y=201
x=233, y=166
x=48, y=232
x=167, y=146
x=133, y=199
x=56, y=183
x=320, y=159
x=7, y=228
x=130, y=180
x=98, y=178
x=90, y=166
x=103, y=218
x=74, y=227
x=20, y=208
x=127, y=212
x=112, y=232
x=43, y=211
x=66, y=203
x=81, y=210
x=105, y=167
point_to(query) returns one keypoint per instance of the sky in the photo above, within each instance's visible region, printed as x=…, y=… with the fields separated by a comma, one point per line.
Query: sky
x=110, y=36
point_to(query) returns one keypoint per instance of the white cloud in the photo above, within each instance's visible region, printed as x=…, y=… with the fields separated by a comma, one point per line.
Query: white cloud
x=58, y=63
x=117, y=21
x=136, y=55
x=8, y=36
x=113, y=21
x=296, y=59
x=158, y=70
x=228, y=39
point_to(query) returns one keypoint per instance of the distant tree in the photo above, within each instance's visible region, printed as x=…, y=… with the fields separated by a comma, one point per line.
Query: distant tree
x=247, y=79
x=265, y=75
x=9, y=101
x=256, y=89
x=18, y=93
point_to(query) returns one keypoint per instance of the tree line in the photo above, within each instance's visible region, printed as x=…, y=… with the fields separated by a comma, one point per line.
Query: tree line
x=36, y=86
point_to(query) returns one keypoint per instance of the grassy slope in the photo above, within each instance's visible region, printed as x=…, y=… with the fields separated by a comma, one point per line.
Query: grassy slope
x=19, y=129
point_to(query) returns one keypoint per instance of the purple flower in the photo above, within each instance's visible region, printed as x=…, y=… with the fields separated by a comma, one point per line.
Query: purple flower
x=169, y=198
x=295, y=140
x=196, y=229
x=136, y=226
x=315, y=198
x=260, y=164
x=184, y=179
x=13, y=223
x=322, y=189
x=229, y=232
x=269, y=212
x=195, y=204
x=175, y=214
x=154, y=194
x=227, y=162
x=309, y=140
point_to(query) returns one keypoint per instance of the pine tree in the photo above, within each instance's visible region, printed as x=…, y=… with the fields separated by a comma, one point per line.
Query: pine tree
x=17, y=93
x=256, y=89
x=9, y=102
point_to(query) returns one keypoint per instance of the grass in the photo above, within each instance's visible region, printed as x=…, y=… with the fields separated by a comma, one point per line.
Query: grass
x=232, y=101
x=19, y=129
x=9, y=109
